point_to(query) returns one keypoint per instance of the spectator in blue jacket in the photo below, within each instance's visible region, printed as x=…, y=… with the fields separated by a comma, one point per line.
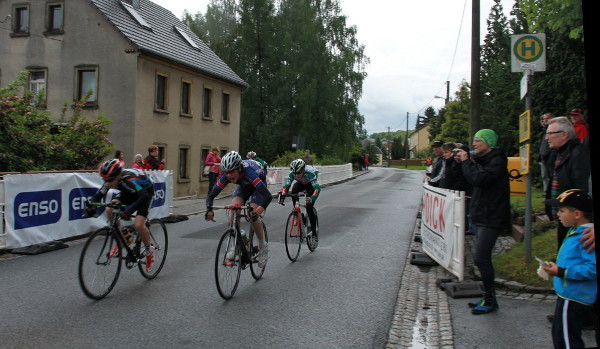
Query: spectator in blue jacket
x=575, y=279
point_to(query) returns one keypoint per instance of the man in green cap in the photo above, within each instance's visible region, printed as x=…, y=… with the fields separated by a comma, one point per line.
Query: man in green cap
x=487, y=172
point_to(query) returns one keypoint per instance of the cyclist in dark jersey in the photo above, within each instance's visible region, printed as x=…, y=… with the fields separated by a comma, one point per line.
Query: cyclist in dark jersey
x=136, y=190
x=305, y=178
x=250, y=178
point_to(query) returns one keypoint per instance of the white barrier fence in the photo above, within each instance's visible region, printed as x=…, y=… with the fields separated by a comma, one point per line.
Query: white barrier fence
x=443, y=228
x=327, y=174
x=42, y=207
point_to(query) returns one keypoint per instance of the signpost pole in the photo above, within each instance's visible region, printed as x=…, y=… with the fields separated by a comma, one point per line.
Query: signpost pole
x=528, y=55
x=528, y=213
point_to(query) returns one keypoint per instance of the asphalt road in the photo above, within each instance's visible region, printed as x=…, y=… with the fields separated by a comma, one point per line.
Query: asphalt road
x=340, y=296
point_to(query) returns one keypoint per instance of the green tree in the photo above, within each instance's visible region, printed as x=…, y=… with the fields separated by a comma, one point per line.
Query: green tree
x=455, y=126
x=500, y=103
x=564, y=17
x=304, y=66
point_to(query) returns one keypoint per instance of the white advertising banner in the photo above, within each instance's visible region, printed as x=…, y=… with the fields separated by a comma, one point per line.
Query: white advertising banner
x=442, y=228
x=44, y=207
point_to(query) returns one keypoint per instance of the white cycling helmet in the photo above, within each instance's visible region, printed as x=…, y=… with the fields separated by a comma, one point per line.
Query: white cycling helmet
x=297, y=165
x=251, y=155
x=231, y=161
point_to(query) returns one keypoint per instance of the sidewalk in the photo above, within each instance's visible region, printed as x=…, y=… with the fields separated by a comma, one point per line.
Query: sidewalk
x=426, y=317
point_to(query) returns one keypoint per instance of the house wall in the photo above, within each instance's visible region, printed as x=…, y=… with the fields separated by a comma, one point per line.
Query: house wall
x=126, y=87
x=173, y=130
x=88, y=39
x=419, y=140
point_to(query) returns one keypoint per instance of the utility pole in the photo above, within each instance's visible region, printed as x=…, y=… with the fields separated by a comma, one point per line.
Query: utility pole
x=475, y=71
x=406, y=143
x=389, y=149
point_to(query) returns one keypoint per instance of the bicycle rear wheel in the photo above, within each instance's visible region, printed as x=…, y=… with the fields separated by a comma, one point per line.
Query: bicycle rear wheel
x=99, y=268
x=293, y=236
x=312, y=241
x=160, y=240
x=254, y=268
x=228, y=265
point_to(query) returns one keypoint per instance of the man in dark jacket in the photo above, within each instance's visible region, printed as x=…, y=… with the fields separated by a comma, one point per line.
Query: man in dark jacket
x=437, y=169
x=570, y=168
x=487, y=173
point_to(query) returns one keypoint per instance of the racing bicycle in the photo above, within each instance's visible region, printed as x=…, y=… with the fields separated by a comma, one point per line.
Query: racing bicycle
x=298, y=229
x=234, y=253
x=106, y=249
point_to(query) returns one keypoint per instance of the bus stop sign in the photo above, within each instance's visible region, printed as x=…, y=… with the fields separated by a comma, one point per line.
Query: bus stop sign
x=528, y=52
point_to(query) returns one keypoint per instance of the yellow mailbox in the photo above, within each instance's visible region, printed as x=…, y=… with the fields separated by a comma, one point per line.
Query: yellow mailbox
x=517, y=180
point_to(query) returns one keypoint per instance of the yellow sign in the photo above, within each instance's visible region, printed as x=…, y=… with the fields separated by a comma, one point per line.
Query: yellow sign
x=525, y=126
x=517, y=179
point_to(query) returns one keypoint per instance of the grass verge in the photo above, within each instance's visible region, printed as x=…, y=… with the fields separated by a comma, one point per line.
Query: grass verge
x=511, y=265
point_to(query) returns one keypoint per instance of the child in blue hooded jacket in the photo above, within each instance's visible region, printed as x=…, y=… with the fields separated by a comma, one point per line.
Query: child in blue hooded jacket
x=574, y=271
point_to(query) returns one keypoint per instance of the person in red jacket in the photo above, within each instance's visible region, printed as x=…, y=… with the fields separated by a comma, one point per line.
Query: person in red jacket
x=213, y=160
x=581, y=127
x=151, y=162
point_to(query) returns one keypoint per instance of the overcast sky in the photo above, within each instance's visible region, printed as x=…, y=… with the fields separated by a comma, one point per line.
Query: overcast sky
x=414, y=48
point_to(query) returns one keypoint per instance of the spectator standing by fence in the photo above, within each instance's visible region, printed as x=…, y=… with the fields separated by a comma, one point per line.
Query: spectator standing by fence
x=487, y=172
x=152, y=162
x=213, y=160
x=437, y=169
x=570, y=168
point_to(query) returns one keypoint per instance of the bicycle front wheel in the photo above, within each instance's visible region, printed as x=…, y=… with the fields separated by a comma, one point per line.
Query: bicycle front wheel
x=160, y=240
x=293, y=236
x=255, y=270
x=100, y=264
x=228, y=265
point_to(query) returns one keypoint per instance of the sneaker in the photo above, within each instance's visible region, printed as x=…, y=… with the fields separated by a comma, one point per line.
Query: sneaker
x=263, y=257
x=149, y=254
x=474, y=304
x=484, y=308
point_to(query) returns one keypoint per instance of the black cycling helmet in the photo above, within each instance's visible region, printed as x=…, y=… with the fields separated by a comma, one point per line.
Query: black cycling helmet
x=297, y=165
x=231, y=161
x=110, y=168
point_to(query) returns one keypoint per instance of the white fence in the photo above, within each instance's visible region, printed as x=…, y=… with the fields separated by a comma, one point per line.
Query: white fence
x=327, y=175
x=42, y=207
x=443, y=228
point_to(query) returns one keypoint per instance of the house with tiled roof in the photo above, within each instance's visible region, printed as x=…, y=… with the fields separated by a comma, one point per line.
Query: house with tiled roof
x=158, y=82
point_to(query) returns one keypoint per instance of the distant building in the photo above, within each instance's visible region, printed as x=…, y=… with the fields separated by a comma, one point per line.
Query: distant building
x=157, y=81
x=419, y=140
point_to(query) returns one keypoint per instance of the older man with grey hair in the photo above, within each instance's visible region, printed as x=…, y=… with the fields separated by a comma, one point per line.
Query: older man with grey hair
x=569, y=164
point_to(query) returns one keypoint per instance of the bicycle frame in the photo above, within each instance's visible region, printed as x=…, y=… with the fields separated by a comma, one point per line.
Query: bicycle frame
x=234, y=215
x=133, y=254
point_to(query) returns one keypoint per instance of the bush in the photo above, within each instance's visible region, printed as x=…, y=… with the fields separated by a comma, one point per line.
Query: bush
x=286, y=158
x=31, y=141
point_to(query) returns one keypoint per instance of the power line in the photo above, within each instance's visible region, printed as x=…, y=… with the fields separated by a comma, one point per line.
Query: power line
x=462, y=18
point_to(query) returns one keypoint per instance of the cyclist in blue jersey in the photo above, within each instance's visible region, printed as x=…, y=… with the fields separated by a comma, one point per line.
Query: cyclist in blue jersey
x=136, y=190
x=305, y=178
x=250, y=178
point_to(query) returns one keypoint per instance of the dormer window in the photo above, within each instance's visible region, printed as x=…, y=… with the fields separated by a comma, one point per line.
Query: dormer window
x=189, y=40
x=136, y=15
